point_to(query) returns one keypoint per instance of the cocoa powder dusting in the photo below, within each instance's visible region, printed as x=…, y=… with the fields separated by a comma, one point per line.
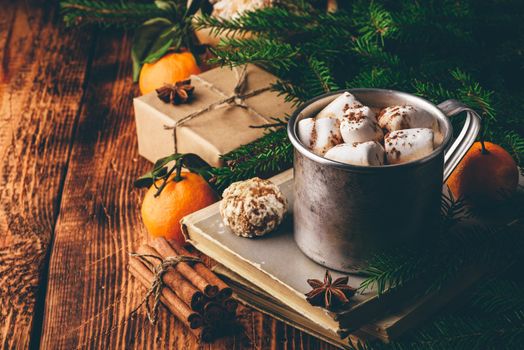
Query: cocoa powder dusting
x=314, y=135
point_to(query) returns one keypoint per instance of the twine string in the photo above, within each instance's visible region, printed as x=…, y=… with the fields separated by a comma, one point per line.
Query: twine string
x=157, y=285
x=236, y=100
x=241, y=80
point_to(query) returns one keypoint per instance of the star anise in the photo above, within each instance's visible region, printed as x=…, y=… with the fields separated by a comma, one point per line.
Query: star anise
x=329, y=294
x=179, y=92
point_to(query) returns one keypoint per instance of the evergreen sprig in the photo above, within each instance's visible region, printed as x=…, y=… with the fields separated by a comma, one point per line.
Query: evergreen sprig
x=262, y=158
x=458, y=247
x=265, y=52
x=460, y=332
x=292, y=93
x=320, y=79
x=274, y=20
x=499, y=296
x=110, y=14
x=514, y=142
x=374, y=21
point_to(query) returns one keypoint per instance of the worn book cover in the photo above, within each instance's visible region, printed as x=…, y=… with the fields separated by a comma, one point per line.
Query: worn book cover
x=397, y=318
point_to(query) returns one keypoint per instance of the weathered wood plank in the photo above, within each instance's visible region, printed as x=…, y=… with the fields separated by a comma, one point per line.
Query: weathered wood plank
x=42, y=69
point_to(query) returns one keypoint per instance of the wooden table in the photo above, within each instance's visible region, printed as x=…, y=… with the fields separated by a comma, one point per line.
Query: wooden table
x=69, y=214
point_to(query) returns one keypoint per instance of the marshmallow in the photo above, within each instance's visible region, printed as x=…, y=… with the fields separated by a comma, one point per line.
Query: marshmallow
x=319, y=135
x=339, y=106
x=409, y=144
x=360, y=130
x=358, y=153
x=359, y=112
x=405, y=117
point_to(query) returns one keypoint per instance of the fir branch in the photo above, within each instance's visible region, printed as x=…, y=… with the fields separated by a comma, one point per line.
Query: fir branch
x=320, y=80
x=514, y=142
x=371, y=54
x=292, y=92
x=392, y=270
x=108, y=14
x=498, y=296
x=474, y=95
x=458, y=333
x=265, y=157
x=465, y=89
x=376, y=77
x=280, y=22
x=440, y=21
x=452, y=210
x=375, y=22
x=266, y=52
x=458, y=248
x=434, y=92
x=274, y=20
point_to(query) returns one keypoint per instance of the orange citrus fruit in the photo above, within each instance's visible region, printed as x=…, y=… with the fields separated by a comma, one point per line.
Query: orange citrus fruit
x=162, y=214
x=170, y=68
x=482, y=177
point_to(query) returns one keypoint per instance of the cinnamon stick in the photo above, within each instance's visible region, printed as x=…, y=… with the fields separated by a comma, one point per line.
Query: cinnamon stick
x=168, y=298
x=208, y=334
x=178, y=284
x=343, y=333
x=190, y=273
x=196, y=322
x=230, y=305
x=224, y=291
x=213, y=313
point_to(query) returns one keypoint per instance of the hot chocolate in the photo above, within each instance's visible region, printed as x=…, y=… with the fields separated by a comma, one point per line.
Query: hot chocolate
x=349, y=132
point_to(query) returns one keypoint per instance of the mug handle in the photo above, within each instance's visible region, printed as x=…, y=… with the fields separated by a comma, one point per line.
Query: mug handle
x=465, y=139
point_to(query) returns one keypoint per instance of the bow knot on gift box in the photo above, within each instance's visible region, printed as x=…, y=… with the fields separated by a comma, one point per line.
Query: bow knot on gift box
x=225, y=103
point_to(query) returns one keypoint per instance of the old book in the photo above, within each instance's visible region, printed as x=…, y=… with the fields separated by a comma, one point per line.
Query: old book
x=276, y=266
x=252, y=296
x=396, y=320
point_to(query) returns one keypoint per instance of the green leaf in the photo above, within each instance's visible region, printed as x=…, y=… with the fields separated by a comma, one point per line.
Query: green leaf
x=155, y=55
x=166, y=5
x=149, y=178
x=193, y=7
x=159, y=170
x=145, y=180
x=197, y=165
x=164, y=161
x=150, y=37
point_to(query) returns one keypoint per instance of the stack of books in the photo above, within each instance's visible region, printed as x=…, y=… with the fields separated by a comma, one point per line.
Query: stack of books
x=270, y=274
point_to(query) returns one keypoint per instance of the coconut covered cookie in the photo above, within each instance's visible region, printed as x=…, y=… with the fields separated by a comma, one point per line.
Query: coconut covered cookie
x=253, y=207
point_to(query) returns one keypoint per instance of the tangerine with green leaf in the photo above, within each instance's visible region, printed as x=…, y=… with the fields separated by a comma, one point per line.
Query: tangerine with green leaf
x=485, y=175
x=181, y=196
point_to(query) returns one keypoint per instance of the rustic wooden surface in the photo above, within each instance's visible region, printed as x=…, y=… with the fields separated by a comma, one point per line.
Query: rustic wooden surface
x=69, y=215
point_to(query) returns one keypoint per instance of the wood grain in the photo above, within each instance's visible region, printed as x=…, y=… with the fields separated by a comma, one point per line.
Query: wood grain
x=41, y=73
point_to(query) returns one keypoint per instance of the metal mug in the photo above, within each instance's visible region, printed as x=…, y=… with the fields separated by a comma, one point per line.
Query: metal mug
x=343, y=213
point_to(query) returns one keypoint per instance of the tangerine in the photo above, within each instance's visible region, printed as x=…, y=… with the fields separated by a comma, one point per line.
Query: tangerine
x=486, y=173
x=162, y=214
x=169, y=69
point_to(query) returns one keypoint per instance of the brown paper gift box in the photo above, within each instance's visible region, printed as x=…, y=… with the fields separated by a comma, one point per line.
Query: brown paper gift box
x=164, y=129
